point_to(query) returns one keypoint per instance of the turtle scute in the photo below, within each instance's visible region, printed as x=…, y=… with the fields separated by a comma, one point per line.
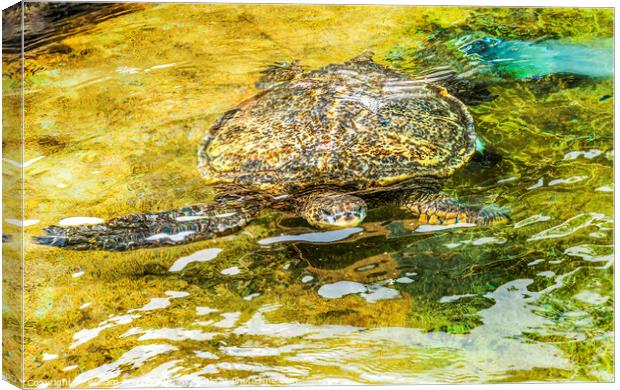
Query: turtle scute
x=356, y=124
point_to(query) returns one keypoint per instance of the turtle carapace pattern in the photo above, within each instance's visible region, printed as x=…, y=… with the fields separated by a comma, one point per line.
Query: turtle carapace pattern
x=321, y=144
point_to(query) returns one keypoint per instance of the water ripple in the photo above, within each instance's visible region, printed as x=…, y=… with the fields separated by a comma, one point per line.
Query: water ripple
x=133, y=358
x=570, y=226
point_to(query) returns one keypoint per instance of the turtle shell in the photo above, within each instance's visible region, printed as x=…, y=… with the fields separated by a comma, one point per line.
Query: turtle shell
x=357, y=124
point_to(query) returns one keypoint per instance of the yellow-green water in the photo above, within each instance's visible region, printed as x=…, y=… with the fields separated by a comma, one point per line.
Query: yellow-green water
x=114, y=122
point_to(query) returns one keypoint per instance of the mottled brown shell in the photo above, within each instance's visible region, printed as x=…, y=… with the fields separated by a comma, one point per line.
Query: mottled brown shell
x=357, y=124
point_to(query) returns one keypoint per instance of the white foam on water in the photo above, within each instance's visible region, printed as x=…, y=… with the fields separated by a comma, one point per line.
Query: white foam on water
x=206, y=355
x=330, y=382
x=48, y=356
x=162, y=66
x=22, y=223
x=591, y=297
x=370, y=292
x=24, y=165
x=251, y=296
x=127, y=70
x=605, y=189
x=225, y=215
x=570, y=226
x=554, y=261
x=534, y=262
x=174, y=237
x=161, y=303
x=173, y=334
x=489, y=240
x=324, y=236
x=167, y=375
x=592, y=252
x=162, y=376
x=258, y=326
x=259, y=351
x=70, y=368
x=454, y=298
x=568, y=180
x=85, y=335
x=72, y=221
x=589, y=154
x=234, y=366
x=280, y=197
x=190, y=218
x=154, y=304
x=512, y=178
x=249, y=351
x=200, y=256
x=133, y=358
x=269, y=307
x=538, y=184
x=340, y=289
x=230, y=319
x=176, y=294
x=202, y=310
x=546, y=274
x=530, y=220
x=380, y=293
x=231, y=271
x=433, y=228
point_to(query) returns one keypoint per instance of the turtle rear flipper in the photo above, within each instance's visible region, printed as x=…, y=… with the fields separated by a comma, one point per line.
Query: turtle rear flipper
x=173, y=227
x=467, y=85
x=441, y=209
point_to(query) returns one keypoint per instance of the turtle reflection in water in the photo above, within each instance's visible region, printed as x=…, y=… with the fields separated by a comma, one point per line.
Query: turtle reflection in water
x=321, y=144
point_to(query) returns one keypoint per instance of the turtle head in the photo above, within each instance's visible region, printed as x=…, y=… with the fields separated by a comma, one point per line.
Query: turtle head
x=334, y=210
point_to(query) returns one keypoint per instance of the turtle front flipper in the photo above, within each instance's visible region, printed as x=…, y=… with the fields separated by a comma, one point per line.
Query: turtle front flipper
x=441, y=209
x=173, y=227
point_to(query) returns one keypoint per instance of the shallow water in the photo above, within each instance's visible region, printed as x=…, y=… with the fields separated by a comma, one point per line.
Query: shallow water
x=113, y=121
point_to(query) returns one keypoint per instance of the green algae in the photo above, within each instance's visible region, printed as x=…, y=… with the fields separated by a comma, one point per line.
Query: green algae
x=119, y=134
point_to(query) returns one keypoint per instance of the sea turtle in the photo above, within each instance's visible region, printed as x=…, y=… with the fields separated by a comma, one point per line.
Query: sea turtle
x=320, y=144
